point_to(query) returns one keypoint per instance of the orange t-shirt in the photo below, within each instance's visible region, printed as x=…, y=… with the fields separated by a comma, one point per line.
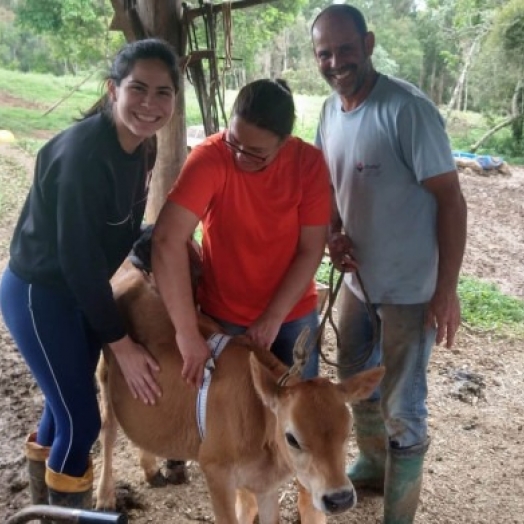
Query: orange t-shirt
x=251, y=223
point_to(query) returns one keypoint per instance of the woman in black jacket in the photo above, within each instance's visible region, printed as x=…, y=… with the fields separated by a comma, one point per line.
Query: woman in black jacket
x=81, y=217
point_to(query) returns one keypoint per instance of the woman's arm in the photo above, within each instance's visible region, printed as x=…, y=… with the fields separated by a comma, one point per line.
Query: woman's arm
x=170, y=262
x=294, y=284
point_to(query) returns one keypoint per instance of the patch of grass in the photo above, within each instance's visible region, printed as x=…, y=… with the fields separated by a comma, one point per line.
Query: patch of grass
x=35, y=93
x=323, y=270
x=46, y=89
x=486, y=308
x=307, y=110
x=26, y=122
x=29, y=95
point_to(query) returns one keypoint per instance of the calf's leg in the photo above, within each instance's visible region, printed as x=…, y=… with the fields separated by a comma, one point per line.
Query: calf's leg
x=222, y=491
x=268, y=511
x=105, y=493
x=307, y=511
x=246, y=506
x=151, y=470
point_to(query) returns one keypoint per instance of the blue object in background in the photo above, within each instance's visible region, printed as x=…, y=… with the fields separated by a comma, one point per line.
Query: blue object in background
x=485, y=161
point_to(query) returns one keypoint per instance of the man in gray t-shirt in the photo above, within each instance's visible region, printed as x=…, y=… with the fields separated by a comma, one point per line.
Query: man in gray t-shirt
x=399, y=219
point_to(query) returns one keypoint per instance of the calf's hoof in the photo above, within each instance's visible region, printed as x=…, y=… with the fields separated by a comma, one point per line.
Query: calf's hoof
x=157, y=480
x=176, y=472
x=105, y=501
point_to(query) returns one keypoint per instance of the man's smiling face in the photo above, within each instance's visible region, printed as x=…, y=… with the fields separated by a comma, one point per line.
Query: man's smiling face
x=343, y=54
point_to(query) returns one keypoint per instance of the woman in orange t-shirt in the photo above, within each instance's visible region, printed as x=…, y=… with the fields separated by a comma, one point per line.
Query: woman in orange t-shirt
x=263, y=198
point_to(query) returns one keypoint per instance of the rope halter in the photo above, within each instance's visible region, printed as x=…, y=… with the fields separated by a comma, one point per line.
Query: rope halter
x=301, y=353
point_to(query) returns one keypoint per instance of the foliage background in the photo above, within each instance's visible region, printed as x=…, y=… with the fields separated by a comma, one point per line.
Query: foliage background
x=466, y=54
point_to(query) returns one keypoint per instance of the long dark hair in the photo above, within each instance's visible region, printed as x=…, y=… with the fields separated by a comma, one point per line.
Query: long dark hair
x=125, y=60
x=267, y=104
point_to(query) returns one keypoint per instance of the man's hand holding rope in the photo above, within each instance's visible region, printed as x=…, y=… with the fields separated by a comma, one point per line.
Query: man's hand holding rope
x=341, y=252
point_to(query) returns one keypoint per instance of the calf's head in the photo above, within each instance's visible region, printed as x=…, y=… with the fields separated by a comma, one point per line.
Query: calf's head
x=313, y=425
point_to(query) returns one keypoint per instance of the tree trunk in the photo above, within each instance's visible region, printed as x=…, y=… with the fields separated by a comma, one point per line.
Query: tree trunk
x=432, y=80
x=440, y=94
x=492, y=131
x=172, y=152
x=465, y=97
x=456, y=97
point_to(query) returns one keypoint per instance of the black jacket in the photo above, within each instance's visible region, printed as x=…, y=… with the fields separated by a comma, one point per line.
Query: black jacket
x=81, y=217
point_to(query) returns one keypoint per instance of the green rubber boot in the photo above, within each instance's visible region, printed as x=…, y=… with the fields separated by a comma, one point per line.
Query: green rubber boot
x=403, y=483
x=369, y=469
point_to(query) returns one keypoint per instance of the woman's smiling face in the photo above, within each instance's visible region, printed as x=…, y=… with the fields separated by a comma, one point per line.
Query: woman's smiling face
x=143, y=102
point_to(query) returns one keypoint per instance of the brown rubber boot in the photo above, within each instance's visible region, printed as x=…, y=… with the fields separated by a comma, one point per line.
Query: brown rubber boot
x=70, y=492
x=36, y=456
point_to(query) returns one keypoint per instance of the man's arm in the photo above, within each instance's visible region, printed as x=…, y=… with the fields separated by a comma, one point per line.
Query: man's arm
x=444, y=307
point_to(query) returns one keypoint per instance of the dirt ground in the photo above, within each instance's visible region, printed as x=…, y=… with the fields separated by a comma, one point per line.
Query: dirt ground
x=474, y=472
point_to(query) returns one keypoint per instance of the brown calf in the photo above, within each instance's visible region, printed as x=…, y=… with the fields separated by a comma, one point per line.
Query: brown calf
x=258, y=434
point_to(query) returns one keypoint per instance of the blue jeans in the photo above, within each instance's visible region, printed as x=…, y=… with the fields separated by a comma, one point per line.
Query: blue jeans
x=282, y=347
x=62, y=352
x=404, y=348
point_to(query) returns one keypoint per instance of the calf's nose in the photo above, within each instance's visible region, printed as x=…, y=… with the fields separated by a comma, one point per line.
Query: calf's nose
x=339, y=501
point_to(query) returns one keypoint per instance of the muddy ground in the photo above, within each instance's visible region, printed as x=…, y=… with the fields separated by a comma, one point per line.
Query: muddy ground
x=474, y=472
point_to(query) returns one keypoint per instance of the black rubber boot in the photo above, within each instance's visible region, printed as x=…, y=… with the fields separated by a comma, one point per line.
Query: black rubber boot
x=36, y=456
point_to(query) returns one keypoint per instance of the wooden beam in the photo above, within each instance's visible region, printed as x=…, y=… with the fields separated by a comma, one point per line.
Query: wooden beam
x=217, y=8
x=195, y=56
x=121, y=21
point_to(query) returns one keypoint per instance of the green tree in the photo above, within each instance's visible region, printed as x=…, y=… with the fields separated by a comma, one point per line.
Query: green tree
x=508, y=36
x=255, y=33
x=20, y=48
x=77, y=29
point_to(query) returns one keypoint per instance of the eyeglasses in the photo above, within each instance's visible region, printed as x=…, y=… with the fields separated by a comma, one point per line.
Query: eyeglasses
x=250, y=156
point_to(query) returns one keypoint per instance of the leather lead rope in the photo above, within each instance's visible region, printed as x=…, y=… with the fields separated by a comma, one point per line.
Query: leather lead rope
x=302, y=350
x=328, y=315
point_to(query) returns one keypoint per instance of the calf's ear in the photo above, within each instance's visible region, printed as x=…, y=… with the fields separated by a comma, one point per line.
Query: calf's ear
x=361, y=385
x=265, y=384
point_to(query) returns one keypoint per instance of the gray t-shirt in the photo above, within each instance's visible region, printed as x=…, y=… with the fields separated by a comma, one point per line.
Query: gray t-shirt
x=378, y=156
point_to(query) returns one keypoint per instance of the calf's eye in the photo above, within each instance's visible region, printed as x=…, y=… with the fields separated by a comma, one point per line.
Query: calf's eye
x=292, y=441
